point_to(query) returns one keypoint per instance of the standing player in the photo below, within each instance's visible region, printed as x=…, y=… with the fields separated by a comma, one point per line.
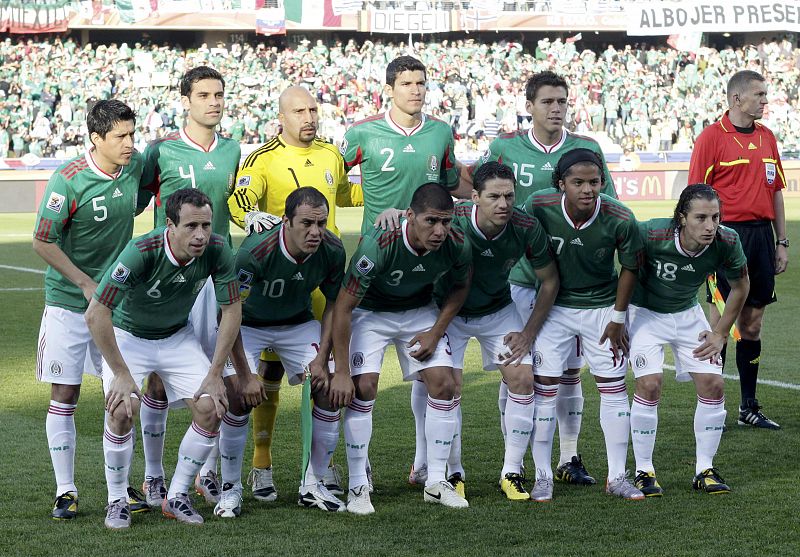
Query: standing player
x=533, y=155
x=193, y=157
x=739, y=158
x=293, y=159
x=386, y=298
x=151, y=288
x=586, y=228
x=84, y=221
x=679, y=255
x=278, y=269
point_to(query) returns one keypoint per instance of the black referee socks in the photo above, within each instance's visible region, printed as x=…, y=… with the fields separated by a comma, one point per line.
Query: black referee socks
x=748, y=354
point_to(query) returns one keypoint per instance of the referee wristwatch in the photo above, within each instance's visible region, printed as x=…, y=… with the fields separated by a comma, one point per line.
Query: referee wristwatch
x=784, y=242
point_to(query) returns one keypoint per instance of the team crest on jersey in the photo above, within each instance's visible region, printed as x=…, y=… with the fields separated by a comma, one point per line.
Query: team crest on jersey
x=329, y=177
x=357, y=360
x=121, y=273
x=245, y=277
x=509, y=264
x=770, y=169
x=198, y=286
x=600, y=253
x=56, y=202
x=343, y=147
x=433, y=163
x=56, y=368
x=537, y=359
x=364, y=265
x=243, y=182
x=639, y=361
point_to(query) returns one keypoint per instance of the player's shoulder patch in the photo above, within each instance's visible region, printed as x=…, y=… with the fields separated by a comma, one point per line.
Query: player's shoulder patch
x=120, y=273
x=56, y=202
x=364, y=265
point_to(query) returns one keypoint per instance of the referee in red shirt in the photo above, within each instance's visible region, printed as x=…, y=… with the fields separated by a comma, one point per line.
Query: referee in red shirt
x=739, y=158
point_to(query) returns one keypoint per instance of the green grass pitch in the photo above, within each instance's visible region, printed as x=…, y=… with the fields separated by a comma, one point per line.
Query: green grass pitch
x=756, y=519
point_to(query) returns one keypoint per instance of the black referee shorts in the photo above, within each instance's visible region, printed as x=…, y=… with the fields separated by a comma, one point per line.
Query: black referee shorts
x=758, y=243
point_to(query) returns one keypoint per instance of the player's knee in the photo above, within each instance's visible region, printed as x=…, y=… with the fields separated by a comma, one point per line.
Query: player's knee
x=520, y=381
x=546, y=380
x=235, y=406
x=750, y=329
x=440, y=383
x=65, y=394
x=204, y=413
x=119, y=422
x=458, y=382
x=572, y=371
x=366, y=386
x=710, y=386
x=648, y=387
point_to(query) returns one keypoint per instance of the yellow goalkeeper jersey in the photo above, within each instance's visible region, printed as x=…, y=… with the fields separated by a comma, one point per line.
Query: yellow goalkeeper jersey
x=275, y=169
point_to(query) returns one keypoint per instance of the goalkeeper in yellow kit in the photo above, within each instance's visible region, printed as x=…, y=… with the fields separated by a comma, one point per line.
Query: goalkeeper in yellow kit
x=293, y=159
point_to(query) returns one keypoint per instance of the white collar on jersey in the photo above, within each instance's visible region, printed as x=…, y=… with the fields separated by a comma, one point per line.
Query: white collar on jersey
x=547, y=148
x=194, y=145
x=404, y=228
x=171, y=255
x=683, y=251
x=99, y=171
x=474, y=221
x=586, y=224
x=400, y=129
x=285, y=249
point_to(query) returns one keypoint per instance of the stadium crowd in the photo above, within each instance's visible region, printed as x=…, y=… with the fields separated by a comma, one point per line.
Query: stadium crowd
x=639, y=97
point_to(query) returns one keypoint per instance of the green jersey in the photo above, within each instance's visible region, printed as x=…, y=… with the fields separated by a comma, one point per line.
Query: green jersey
x=387, y=274
x=533, y=165
x=276, y=287
x=396, y=161
x=670, y=277
x=177, y=162
x=89, y=215
x=152, y=293
x=494, y=257
x=585, y=254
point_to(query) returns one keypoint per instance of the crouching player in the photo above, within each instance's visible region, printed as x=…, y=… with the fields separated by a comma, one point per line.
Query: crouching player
x=278, y=269
x=151, y=288
x=680, y=254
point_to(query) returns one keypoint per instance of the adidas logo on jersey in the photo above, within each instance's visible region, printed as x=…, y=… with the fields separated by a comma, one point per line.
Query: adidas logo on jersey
x=576, y=242
x=688, y=268
x=298, y=276
x=117, y=193
x=547, y=166
x=180, y=278
x=409, y=149
x=308, y=163
x=418, y=268
x=487, y=253
x=209, y=166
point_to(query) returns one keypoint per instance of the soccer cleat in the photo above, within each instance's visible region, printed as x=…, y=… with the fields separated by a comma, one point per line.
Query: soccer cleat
x=65, y=507
x=180, y=508
x=369, y=478
x=574, y=472
x=512, y=486
x=358, y=501
x=118, y=515
x=711, y=482
x=621, y=486
x=333, y=480
x=137, y=501
x=444, y=494
x=207, y=487
x=647, y=483
x=542, y=491
x=155, y=490
x=230, y=501
x=750, y=414
x=418, y=476
x=318, y=496
x=261, y=481
x=457, y=481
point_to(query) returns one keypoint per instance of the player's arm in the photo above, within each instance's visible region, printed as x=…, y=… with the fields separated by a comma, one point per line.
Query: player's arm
x=251, y=393
x=520, y=343
x=348, y=194
x=713, y=341
x=329, y=287
x=251, y=186
x=779, y=226
x=463, y=190
x=150, y=181
x=342, y=390
x=58, y=260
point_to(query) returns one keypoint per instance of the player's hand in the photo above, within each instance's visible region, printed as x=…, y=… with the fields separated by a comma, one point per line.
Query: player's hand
x=519, y=345
x=251, y=391
x=88, y=290
x=616, y=334
x=341, y=390
x=320, y=375
x=711, y=347
x=256, y=221
x=120, y=391
x=389, y=219
x=781, y=259
x=214, y=387
x=427, y=345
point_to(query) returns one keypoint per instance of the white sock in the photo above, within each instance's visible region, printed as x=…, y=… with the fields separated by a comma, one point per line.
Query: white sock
x=569, y=414
x=615, y=420
x=502, y=398
x=153, y=417
x=644, y=423
x=357, y=434
x=61, y=438
x=117, y=451
x=544, y=427
x=419, y=403
x=193, y=452
x=210, y=464
x=709, y=419
x=231, y=441
x=324, y=438
x=454, y=464
x=440, y=423
x=519, y=427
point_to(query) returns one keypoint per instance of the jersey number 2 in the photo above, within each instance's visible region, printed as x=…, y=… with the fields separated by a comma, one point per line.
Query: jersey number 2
x=387, y=166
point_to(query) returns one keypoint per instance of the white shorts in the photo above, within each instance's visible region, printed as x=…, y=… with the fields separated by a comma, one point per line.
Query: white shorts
x=650, y=331
x=524, y=299
x=556, y=341
x=373, y=331
x=178, y=360
x=490, y=330
x=66, y=350
x=295, y=345
x=203, y=318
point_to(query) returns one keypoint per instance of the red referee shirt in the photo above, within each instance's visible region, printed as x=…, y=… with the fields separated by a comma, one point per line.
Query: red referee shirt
x=744, y=168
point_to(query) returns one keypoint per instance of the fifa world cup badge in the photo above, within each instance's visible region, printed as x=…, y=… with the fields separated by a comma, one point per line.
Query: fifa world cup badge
x=770, y=170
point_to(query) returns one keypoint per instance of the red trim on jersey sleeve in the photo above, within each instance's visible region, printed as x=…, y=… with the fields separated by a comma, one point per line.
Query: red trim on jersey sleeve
x=43, y=230
x=447, y=164
x=353, y=286
x=357, y=160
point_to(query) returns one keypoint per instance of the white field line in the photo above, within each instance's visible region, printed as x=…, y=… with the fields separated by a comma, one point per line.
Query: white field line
x=770, y=382
x=22, y=269
x=19, y=289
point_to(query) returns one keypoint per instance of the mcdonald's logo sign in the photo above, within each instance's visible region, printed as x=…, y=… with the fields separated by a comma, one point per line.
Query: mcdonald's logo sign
x=639, y=185
x=651, y=187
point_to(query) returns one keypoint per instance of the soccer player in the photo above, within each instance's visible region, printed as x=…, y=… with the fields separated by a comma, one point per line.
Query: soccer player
x=83, y=223
x=193, y=157
x=586, y=228
x=533, y=155
x=386, y=297
x=278, y=269
x=679, y=254
x=739, y=158
x=295, y=158
x=151, y=288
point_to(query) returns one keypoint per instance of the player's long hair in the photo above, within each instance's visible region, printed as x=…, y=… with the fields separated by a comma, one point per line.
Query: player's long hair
x=692, y=192
x=570, y=159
